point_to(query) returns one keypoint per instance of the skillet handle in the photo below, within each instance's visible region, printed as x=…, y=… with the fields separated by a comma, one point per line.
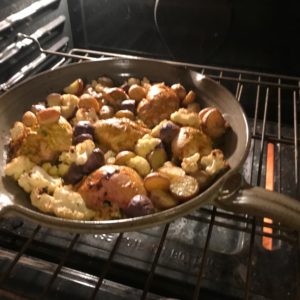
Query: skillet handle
x=238, y=196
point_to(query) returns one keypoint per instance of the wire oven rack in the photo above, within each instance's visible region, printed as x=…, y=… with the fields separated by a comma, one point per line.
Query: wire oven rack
x=275, y=129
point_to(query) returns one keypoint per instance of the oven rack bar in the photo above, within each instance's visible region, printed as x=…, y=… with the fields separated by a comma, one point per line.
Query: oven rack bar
x=270, y=81
x=90, y=55
x=253, y=225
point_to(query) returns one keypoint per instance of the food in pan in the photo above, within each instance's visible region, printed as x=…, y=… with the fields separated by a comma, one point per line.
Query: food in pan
x=98, y=151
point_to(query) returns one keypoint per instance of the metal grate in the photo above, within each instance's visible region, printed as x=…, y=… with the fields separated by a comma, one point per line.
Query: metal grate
x=216, y=244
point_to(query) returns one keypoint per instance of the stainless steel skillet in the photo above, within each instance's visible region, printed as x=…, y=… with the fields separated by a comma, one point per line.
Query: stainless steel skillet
x=229, y=191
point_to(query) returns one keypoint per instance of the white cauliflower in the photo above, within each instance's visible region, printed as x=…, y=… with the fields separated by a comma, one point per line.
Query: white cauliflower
x=64, y=203
x=140, y=164
x=18, y=166
x=78, y=154
x=214, y=162
x=185, y=117
x=37, y=177
x=53, y=170
x=110, y=157
x=146, y=144
x=190, y=164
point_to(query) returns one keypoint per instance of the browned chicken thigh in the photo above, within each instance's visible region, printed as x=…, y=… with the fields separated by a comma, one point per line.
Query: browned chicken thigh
x=161, y=101
x=119, y=133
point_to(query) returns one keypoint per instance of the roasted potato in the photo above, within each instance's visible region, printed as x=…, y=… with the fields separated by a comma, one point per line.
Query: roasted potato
x=171, y=171
x=87, y=101
x=137, y=92
x=53, y=99
x=157, y=157
x=168, y=131
x=106, y=112
x=184, y=188
x=156, y=181
x=123, y=157
x=125, y=113
x=105, y=81
x=213, y=122
x=163, y=199
x=139, y=205
x=29, y=119
x=115, y=96
x=128, y=105
x=189, y=98
x=75, y=88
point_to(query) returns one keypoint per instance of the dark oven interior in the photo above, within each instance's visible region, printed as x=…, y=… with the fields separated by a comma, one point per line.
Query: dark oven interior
x=211, y=253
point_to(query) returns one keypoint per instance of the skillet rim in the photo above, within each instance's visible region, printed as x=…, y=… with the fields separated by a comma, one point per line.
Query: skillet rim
x=128, y=224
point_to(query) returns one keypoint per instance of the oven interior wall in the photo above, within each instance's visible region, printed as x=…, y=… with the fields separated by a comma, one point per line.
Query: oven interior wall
x=255, y=35
x=250, y=35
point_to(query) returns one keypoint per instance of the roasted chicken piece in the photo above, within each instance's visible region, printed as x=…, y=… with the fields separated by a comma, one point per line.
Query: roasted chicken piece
x=118, y=133
x=161, y=101
x=116, y=184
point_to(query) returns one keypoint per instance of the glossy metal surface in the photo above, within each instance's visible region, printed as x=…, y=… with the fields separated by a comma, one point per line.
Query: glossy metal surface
x=15, y=102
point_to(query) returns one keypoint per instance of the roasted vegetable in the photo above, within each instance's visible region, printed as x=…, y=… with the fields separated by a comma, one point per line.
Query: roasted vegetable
x=190, y=141
x=139, y=205
x=116, y=150
x=156, y=181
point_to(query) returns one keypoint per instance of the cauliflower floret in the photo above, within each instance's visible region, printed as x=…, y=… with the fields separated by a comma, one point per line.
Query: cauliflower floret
x=64, y=203
x=46, y=166
x=214, y=162
x=78, y=154
x=38, y=178
x=53, y=170
x=18, y=166
x=110, y=157
x=146, y=144
x=140, y=164
x=63, y=169
x=185, y=117
x=190, y=164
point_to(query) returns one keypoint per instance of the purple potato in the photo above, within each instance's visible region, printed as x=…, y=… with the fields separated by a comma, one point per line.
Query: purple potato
x=125, y=86
x=95, y=161
x=168, y=132
x=128, y=105
x=74, y=174
x=139, y=205
x=83, y=127
x=81, y=138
